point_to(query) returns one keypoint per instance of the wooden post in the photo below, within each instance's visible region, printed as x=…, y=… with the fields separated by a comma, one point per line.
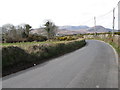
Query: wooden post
x=95, y=25
x=113, y=21
x=119, y=15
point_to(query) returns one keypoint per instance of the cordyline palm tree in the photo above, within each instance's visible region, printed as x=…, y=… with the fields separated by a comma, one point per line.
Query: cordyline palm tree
x=50, y=28
x=27, y=29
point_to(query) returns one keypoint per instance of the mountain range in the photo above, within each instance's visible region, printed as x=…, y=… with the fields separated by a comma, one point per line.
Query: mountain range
x=73, y=27
x=82, y=29
x=67, y=30
x=99, y=29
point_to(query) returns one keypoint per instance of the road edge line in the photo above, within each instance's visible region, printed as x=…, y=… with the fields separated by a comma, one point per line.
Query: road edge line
x=116, y=54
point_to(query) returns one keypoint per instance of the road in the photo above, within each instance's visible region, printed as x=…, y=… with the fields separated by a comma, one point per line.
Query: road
x=93, y=66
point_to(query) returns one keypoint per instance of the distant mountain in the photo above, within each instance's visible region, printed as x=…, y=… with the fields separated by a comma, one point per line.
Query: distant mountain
x=99, y=29
x=39, y=31
x=68, y=30
x=73, y=27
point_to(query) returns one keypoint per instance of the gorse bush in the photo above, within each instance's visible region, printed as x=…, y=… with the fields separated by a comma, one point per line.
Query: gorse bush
x=18, y=56
x=66, y=38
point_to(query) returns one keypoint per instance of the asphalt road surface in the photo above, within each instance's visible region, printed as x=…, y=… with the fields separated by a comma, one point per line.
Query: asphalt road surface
x=93, y=66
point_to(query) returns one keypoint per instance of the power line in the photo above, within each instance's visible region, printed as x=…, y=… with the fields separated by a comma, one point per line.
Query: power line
x=108, y=12
x=105, y=14
x=88, y=21
x=101, y=16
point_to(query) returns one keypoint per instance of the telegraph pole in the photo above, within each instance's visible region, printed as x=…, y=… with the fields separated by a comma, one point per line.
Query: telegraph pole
x=119, y=15
x=113, y=21
x=95, y=25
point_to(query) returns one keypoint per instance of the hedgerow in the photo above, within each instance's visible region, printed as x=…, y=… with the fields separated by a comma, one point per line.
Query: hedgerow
x=20, y=57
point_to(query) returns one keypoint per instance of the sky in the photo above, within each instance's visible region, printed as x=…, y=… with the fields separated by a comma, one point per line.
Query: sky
x=61, y=12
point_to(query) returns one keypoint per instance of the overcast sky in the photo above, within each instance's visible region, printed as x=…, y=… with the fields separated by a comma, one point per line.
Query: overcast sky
x=61, y=12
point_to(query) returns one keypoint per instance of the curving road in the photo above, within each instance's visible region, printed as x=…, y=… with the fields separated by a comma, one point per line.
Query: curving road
x=93, y=66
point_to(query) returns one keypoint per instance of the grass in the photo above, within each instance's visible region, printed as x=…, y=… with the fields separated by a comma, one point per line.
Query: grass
x=116, y=47
x=24, y=43
x=32, y=43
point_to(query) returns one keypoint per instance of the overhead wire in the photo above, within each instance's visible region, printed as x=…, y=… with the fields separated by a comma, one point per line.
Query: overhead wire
x=102, y=16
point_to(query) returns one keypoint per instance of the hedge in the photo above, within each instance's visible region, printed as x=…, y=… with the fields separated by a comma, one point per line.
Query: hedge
x=16, y=58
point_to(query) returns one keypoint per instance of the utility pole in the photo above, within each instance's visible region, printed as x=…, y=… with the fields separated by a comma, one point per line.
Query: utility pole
x=95, y=26
x=119, y=15
x=113, y=21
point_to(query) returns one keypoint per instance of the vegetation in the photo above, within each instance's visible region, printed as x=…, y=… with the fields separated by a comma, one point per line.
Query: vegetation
x=20, y=33
x=66, y=38
x=37, y=38
x=116, y=33
x=16, y=58
x=50, y=29
x=27, y=30
x=69, y=37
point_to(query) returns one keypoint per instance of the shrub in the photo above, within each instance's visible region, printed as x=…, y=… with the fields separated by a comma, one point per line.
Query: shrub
x=37, y=38
x=14, y=56
x=118, y=33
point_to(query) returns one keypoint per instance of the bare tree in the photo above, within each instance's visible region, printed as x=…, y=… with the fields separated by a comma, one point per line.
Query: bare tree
x=9, y=32
x=7, y=28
